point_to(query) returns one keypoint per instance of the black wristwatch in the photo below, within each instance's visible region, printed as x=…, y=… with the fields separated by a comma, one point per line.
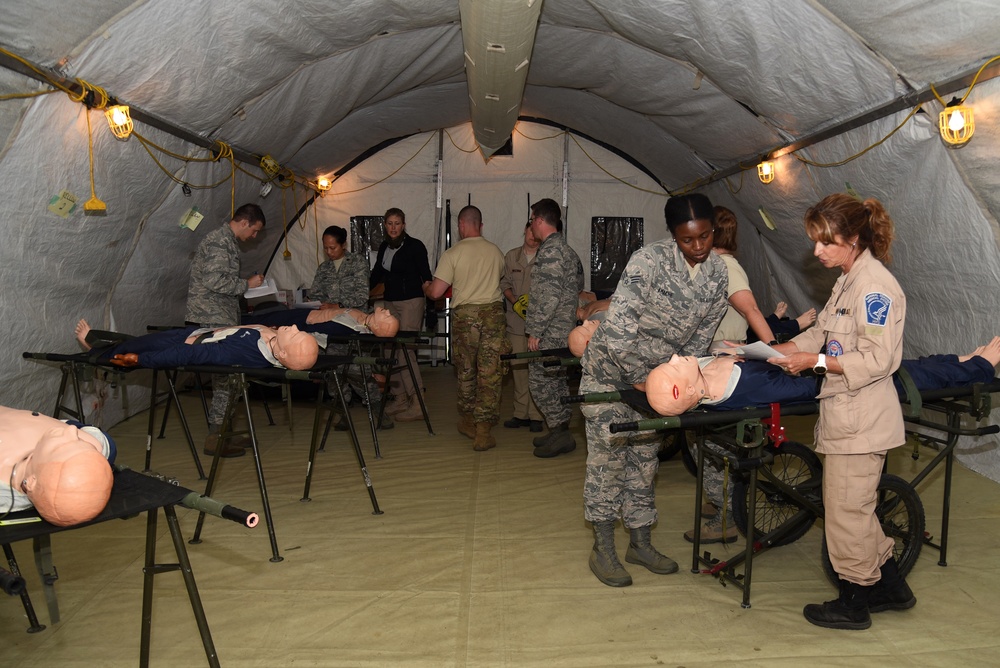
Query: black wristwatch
x=820, y=368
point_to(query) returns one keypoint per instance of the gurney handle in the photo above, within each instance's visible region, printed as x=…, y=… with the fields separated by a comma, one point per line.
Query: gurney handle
x=645, y=425
x=11, y=584
x=592, y=398
x=206, y=504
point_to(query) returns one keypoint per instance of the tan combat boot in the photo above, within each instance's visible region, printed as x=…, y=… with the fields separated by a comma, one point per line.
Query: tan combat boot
x=412, y=413
x=466, y=425
x=484, y=439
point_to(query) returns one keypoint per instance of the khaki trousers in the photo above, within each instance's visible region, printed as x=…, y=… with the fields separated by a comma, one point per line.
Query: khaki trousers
x=857, y=545
x=410, y=313
x=524, y=407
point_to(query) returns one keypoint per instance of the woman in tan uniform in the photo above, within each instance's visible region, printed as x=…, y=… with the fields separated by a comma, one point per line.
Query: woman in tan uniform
x=856, y=346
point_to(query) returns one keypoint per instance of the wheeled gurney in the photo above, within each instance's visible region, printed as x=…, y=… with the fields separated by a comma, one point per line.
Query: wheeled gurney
x=779, y=487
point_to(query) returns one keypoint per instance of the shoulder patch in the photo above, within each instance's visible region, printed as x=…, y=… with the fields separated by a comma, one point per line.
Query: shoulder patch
x=631, y=280
x=877, y=308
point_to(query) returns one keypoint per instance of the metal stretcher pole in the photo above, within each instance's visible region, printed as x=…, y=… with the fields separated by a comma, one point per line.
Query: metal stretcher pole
x=183, y=564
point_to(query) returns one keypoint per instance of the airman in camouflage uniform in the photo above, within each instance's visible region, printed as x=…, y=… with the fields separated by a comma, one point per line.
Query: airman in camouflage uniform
x=473, y=268
x=556, y=282
x=346, y=285
x=213, y=298
x=670, y=300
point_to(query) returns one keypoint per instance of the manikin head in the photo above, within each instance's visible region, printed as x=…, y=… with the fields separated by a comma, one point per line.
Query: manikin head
x=66, y=477
x=382, y=323
x=295, y=349
x=580, y=337
x=676, y=387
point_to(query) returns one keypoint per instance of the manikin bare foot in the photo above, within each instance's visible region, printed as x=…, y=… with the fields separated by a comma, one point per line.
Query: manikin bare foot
x=81, y=330
x=990, y=352
x=807, y=319
x=780, y=310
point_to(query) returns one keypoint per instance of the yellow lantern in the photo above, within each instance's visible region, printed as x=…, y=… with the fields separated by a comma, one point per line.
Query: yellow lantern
x=765, y=171
x=956, y=124
x=120, y=121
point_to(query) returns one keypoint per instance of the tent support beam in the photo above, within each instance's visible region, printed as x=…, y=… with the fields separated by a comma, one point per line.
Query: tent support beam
x=47, y=76
x=904, y=102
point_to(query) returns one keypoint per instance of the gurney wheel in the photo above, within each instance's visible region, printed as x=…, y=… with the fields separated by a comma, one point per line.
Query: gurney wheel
x=796, y=466
x=674, y=441
x=901, y=513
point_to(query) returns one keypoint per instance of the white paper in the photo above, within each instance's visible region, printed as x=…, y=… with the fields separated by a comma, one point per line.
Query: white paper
x=758, y=350
x=268, y=287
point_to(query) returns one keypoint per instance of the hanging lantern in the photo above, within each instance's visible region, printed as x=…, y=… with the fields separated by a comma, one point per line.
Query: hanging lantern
x=269, y=165
x=120, y=121
x=956, y=124
x=323, y=184
x=765, y=171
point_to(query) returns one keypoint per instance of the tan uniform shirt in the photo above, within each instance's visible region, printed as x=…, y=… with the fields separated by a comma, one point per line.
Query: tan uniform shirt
x=862, y=326
x=473, y=267
x=517, y=277
x=733, y=326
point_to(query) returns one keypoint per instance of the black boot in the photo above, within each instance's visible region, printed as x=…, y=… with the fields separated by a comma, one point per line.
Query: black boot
x=641, y=551
x=560, y=441
x=850, y=611
x=604, y=559
x=891, y=592
x=539, y=441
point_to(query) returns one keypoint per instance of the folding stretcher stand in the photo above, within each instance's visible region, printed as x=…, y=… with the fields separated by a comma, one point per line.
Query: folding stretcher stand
x=326, y=373
x=131, y=494
x=362, y=344
x=948, y=405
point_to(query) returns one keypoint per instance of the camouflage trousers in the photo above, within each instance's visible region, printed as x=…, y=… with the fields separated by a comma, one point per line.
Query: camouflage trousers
x=548, y=385
x=352, y=380
x=621, y=468
x=478, y=338
x=716, y=484
x=221, y=391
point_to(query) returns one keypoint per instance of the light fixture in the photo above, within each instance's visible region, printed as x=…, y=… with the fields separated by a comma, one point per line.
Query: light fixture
x=765, y=171
x=269, y=165
x=323, y=184
x=119, y=121
x=956, y=124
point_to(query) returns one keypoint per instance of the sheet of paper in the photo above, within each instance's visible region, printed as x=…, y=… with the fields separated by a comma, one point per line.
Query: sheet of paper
x=758, y=350
x=269, y=287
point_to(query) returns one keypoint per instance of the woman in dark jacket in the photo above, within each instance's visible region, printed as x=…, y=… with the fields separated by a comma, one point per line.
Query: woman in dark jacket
x=402, y=267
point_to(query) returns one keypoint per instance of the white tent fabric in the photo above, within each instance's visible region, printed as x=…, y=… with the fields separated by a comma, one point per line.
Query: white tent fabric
x=683, y=89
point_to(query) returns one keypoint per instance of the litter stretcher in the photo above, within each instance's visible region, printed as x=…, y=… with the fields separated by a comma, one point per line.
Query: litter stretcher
x=777, y=493
x=132, y=493
x=326, y=373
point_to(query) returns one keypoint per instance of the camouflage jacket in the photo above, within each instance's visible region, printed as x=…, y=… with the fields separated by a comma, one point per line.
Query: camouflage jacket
x=556, y=282
x=347, y=287
x=657, y=311
x=215, y=286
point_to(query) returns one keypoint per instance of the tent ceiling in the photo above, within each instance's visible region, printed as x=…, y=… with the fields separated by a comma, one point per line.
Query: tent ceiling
x=683, y=87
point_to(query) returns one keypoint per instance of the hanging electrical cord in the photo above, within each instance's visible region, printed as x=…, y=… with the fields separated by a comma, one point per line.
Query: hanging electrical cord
x=975, y=80
x=860, y=153
x=92, y=97
x=392, y=173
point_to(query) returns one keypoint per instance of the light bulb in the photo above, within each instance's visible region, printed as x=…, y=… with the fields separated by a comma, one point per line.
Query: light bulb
x=956, y=122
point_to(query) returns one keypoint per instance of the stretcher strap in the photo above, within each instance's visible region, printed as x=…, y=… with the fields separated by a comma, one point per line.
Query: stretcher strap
x=913, y=402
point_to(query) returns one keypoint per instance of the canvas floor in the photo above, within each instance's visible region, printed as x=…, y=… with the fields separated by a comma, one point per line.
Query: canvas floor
x=479, y=559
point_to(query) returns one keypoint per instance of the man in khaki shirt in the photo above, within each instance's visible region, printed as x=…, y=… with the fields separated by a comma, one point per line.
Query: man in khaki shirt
x=472, y=268
x=516, y=283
